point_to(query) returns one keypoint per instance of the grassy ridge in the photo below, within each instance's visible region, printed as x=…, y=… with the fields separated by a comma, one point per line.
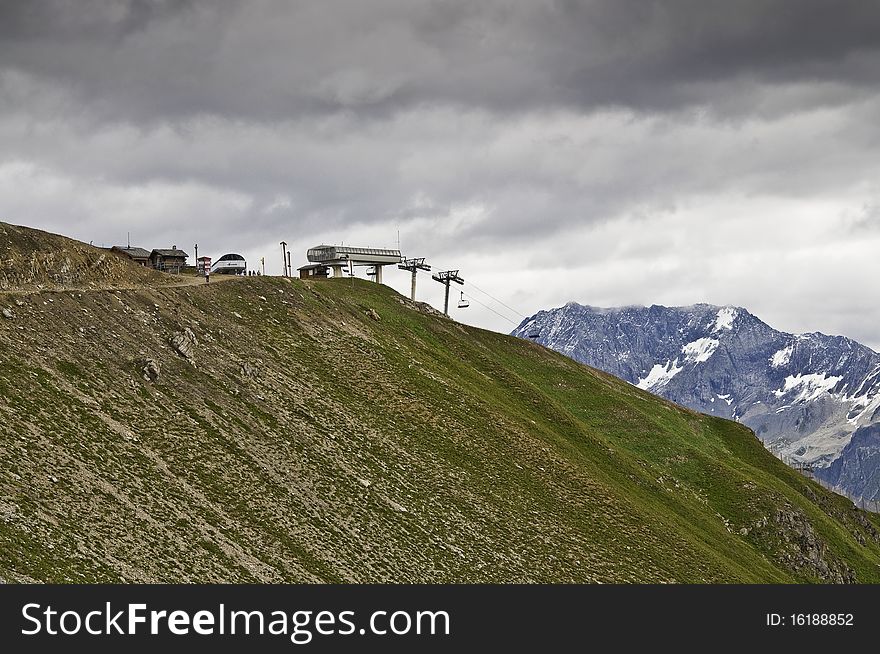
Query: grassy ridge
x=311, y=442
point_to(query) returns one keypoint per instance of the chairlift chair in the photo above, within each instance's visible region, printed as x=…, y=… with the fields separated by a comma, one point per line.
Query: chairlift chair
x=463, y=303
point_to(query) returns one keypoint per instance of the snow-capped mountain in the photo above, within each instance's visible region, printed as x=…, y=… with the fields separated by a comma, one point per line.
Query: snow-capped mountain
x=804, y=395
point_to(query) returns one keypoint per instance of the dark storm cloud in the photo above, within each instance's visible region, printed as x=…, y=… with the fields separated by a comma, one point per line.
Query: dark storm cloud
x=144, y=60
x=658, y=151
x=108, y=20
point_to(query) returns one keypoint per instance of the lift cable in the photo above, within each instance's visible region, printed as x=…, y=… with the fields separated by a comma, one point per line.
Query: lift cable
x=510, y=308
x=468, y=295
x=477, y=288
x=512, y=322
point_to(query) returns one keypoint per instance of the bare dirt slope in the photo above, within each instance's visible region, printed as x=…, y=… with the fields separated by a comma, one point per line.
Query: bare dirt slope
x=31, y=259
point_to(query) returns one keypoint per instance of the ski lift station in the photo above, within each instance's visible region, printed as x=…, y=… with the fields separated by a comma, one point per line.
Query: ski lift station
x=323, y=258
x=338, y=257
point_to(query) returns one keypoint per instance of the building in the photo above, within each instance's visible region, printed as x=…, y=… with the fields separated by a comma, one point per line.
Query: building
x=203, y=265
x=230, y=264
x=314, y=271
x=172, y=260
x=338, y=257
x=138, y=255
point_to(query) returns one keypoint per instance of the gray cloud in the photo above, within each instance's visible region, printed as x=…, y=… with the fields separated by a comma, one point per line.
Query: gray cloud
x=272, y=60
x=612, y=151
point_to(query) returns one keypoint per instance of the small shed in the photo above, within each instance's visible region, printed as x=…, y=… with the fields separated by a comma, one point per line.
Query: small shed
x=314, y=271
x=171, y=260
x=139, y=255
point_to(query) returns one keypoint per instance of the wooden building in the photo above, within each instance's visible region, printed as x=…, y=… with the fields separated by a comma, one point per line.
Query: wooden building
x=139, y=255
x=172, y=260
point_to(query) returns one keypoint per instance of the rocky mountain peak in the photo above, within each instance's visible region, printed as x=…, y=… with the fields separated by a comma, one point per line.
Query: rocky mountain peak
x=803, y=394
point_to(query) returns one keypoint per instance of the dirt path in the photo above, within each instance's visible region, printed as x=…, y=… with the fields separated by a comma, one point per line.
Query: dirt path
x=187, y=280
x=198, y=280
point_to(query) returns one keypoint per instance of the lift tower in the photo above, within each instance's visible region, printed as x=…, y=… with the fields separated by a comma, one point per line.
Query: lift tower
x=414, y=266
x=446, y=278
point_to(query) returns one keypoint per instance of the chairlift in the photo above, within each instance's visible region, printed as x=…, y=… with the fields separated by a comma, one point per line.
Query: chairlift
x=463, y=303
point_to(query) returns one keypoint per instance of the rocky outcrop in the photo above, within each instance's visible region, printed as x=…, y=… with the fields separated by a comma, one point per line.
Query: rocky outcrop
x=865, y=524
x=422, y=307
x=150, y=370
x=802, y=550
x=184, y=343
x=249, y=370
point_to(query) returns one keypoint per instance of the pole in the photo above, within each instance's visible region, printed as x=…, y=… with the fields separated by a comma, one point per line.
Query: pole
x=283, y=259
x=414, y=266
x=263, y=264
x=197, y=258
x=446, y=278
x=289, y=267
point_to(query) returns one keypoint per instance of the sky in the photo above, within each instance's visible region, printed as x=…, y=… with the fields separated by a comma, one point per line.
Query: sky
x=608, y=152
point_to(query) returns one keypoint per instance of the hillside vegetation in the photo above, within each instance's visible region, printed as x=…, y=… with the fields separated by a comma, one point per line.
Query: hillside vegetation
x=269, y=430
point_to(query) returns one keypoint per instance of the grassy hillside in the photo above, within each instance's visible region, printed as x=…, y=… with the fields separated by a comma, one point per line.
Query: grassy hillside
x=276, y=430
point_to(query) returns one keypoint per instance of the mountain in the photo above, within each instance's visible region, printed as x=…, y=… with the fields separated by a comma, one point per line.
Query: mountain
x=804, y=395
x=857, y=469
x=277, y=430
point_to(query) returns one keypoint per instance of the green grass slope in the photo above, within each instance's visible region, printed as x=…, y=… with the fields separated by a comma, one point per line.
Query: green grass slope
x=335, y=432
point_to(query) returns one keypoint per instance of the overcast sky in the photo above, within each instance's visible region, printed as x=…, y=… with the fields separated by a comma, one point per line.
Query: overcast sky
x=608, y=152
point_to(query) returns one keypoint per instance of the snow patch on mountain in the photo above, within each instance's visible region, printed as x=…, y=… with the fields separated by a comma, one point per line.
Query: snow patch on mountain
x=863, y=407
x=660, y=376
x=700, y=350
x=782, y=357
x=811, y=386
x=725, y=319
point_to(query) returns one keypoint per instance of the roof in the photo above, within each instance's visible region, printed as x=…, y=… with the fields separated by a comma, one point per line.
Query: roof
x=170, y=253
x=344, y=249
x=338, y=254
x=134, y=253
